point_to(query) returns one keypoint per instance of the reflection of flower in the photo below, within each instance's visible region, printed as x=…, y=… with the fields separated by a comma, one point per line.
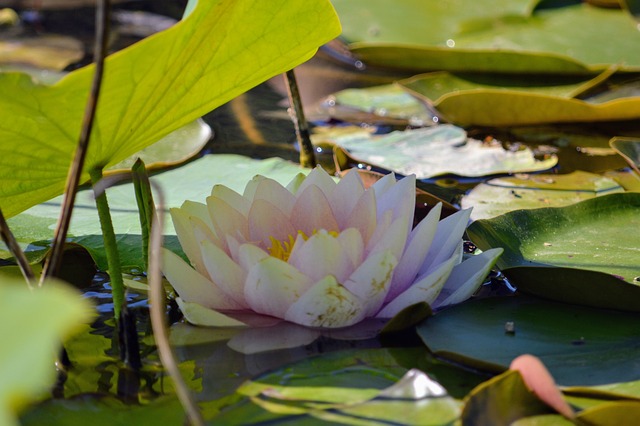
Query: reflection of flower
x=317, y=253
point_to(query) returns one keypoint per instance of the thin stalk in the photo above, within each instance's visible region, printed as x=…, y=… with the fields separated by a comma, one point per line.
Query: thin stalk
x=52, y=264
x=110, y=245
x=16, y=251
x=157, y=299
x=307, y=153
x=144, y=199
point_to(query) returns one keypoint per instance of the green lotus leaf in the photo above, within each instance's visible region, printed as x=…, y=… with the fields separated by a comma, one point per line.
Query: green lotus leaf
x=480, y=36
x=491, y=100
x=579, y=345
x=529, y=191
x=149, y=90
x=585, y=253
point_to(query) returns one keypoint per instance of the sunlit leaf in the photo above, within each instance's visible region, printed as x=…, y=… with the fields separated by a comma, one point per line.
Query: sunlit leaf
x=32, y=325
x=585, y=253
x=530, y=191
x=437, y=150
x=471, y=35
x=149, y=90
x=497, y=100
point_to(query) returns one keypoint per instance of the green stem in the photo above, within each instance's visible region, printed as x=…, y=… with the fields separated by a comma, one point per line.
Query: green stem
x=110, y=246
x=144, y=198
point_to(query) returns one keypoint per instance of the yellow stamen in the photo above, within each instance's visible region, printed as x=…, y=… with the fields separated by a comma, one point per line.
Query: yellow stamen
x=282, y=249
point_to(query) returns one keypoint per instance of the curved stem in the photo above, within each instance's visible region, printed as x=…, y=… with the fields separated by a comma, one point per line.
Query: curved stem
x=52, y=264
x=158, y=318
x=16, y=251
x=307, y=154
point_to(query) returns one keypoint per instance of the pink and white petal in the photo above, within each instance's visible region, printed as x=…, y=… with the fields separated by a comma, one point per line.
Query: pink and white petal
x=266, y=220
x=466, y=278
x=193, y=208
x=312, y=211
x=384, y=184
x=197, y=314
x=284, y=335
x=346, y=195
x=224, y=272
x=226, y=219
x=400, y=199
x=425, y=289
x=232, y=198
x=249, y=255
x=319, y=256
x=393, y=238
x=353, y=246
x=326, y=304
x=364, y=216
x=273, y=192
x=415, y=252
x=320, y=178
x=192, y=286
x=186, y=235
x=295, y=183
x=272, y=285
x=371, y=281
x=447, y=239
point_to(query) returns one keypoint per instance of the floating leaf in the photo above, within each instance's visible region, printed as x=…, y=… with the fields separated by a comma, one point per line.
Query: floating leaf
x=585, y=253
x=175, y=148
x=436, y=151
x=54, y=52
x=579, y=345
x=364, y=387
x=490, y=100
x=505, y=194
x=484, y=35
x=149, y=90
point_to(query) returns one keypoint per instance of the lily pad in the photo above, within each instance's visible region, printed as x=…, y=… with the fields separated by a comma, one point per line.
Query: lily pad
x=585, y=253
x=364, y=387
x=579, y=345
x=482, y=35
x=490, y=100
x=438, y=150
x=53, y=52
x=530, y=191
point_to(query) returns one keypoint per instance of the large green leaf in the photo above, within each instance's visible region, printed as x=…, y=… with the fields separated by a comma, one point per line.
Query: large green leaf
x=491, y=100
x=585, y=253
x=220, y=50
x=482, y=35
x=32, y=325
x=579, y=345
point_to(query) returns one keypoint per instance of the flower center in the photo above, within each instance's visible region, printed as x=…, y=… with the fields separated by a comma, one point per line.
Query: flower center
x=282, y=249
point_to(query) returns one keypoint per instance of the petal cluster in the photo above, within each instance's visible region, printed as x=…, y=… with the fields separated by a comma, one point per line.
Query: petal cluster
x=318, y=253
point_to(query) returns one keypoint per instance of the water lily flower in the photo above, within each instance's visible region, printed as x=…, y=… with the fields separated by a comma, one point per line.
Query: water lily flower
x=317, y=253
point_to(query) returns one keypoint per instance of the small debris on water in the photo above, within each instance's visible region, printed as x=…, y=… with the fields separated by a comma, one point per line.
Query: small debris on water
x=510, y=328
